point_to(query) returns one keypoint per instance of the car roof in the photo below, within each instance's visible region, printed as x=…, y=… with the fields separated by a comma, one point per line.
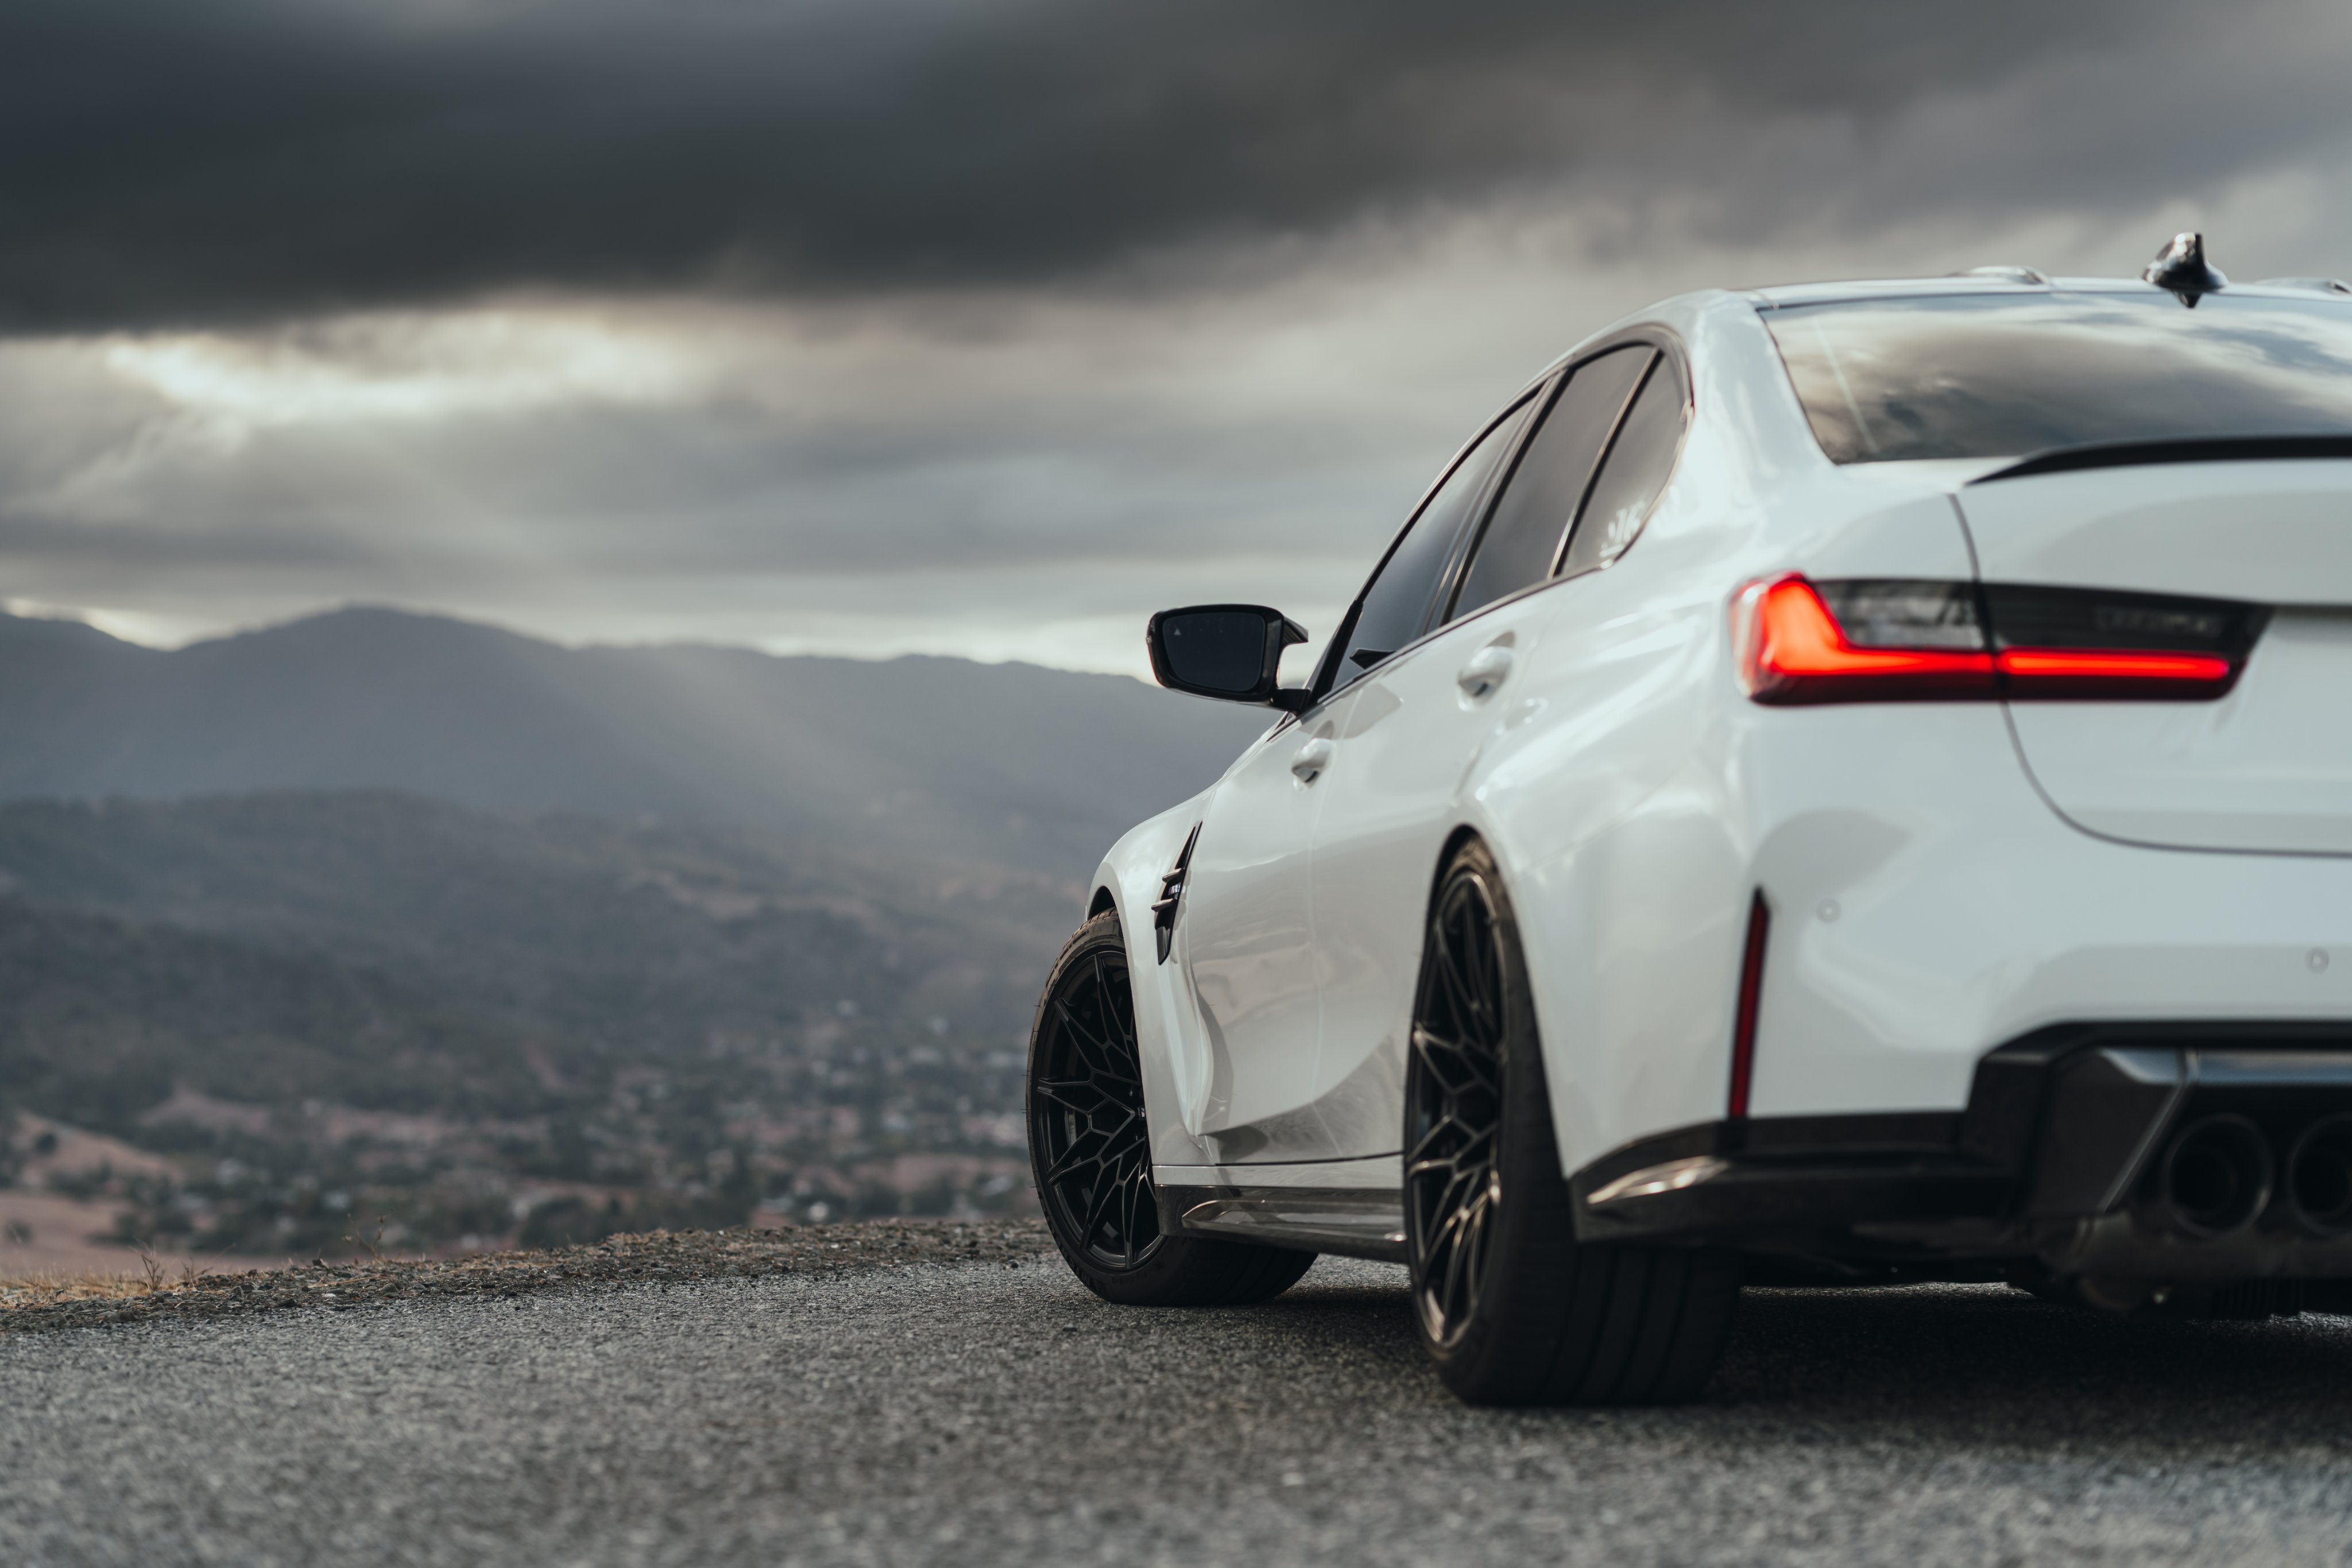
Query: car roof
x=2016, y=280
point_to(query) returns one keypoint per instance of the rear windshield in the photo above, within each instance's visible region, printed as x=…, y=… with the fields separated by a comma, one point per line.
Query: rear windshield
x=2006, y=375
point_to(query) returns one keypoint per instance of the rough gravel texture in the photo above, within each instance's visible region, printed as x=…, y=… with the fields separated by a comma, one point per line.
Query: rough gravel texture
x=977, y=1413
x=658, y=1257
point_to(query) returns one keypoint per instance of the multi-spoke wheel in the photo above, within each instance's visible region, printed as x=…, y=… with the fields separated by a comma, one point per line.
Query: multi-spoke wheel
x=1511, y=1307
x=1456, y=1109
x=1086, y=1116
x=1091, y=1151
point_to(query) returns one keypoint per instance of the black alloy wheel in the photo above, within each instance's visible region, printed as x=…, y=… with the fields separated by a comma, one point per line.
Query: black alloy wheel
x=1455, y=1111
x=1085, y=1115
x=1511, y=1307
x=1090, y=1148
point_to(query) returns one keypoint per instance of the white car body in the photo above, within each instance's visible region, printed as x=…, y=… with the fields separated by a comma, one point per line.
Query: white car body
x=1945, y=879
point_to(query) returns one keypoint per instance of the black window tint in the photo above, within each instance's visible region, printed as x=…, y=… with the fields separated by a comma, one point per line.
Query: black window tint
x=1532, y=518
x=1398, y=601
x=1631, y=472
x=2003, y=375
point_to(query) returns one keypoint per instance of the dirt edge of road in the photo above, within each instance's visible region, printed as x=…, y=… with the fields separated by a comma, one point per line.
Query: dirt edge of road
x=660, y=1256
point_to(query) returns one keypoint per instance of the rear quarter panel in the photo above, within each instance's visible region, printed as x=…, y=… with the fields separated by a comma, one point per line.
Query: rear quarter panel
x=1622, y=790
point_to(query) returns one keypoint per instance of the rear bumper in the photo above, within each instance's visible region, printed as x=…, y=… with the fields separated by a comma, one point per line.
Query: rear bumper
x=2066, y=1156
x=1927, y=904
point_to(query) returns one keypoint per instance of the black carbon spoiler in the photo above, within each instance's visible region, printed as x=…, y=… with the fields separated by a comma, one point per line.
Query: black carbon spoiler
x=2140, y=453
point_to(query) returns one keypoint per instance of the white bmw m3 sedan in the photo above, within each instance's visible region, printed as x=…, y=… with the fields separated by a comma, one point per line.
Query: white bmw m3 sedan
x=1833, y=785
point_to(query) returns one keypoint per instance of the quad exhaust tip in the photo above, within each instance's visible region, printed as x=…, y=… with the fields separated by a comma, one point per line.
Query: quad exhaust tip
x=2319, y=1178
x=2216, y=1175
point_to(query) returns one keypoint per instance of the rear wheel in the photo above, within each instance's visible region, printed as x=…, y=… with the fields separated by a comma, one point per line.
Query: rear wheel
x=1091, y=1151
x=1512, y=1308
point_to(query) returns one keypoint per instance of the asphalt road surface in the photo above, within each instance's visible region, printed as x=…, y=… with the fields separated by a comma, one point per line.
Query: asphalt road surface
x=975, y=1413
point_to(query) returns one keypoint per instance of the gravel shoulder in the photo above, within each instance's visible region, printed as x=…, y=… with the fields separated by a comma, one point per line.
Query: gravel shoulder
x=897, y=1406
x=661, y=1256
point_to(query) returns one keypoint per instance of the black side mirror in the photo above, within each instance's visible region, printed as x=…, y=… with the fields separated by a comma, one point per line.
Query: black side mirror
x=1227, y=651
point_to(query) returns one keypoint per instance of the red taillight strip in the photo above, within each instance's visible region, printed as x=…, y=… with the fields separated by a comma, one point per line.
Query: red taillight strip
x=1751, y=997
x=1792, y=649
x=2094, y=666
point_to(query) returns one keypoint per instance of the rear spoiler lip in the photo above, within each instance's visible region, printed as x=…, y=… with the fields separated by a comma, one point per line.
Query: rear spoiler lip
x=2139, y=453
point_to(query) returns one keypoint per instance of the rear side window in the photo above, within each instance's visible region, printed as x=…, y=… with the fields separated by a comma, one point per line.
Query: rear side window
x=1398, y=601
x=1633, y=471
x=1524, y=534
x=2006, y=375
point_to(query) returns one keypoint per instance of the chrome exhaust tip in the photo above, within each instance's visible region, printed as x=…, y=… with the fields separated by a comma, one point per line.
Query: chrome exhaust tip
x=2214, y=1178
x=2319, y=1178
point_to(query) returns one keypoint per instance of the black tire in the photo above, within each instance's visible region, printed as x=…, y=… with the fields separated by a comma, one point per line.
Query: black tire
x=1090, y=1151
x=1512, y=1308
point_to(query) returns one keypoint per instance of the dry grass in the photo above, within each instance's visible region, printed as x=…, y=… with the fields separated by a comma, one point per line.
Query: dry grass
x=49, y=1290
x=190, y=1288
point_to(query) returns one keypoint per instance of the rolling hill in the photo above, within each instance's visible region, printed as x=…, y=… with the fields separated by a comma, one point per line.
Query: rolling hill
x=461, y=1016
x=393, y=912
x=913, y=757
x=646, y=940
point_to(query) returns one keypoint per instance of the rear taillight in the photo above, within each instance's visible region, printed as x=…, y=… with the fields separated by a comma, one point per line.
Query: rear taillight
x=1884, y=640
x=1793, y=650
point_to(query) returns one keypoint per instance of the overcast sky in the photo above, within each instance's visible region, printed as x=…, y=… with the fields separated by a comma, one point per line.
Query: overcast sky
x=976, y=326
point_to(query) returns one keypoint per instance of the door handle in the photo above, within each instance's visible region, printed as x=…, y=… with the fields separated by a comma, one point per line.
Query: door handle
x=1312, y=759
x=1484, y=672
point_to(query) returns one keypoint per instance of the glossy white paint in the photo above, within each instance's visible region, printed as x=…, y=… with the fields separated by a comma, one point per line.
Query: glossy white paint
x=1175, y=1074
x=1410, y=739
x=2252, y=771
x=1248, y=941
x=1928, y=901
x=2277, y=533
x=2257, y=770
x=1928, y=906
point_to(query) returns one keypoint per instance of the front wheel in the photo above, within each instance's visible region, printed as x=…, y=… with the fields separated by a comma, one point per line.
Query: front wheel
x=1510, y=1306
x=1090, y=1148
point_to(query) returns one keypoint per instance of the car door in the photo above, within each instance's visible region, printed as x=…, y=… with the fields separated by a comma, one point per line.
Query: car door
x=1247, y=933
x=1247, y=923
x=1416, y=727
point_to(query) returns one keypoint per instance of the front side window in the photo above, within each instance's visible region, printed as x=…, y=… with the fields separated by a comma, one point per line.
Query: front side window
x=1398, y=602
x=2006, y=375
x=1523, y=537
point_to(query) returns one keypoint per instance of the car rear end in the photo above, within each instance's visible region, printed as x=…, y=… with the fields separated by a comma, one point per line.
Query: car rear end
x=2052, y=960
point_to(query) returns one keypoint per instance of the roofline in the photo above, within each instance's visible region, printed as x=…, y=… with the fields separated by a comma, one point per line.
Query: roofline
x=1857, y=290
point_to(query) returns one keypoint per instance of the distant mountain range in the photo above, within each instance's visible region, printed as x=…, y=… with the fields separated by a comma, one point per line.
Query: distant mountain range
x=392, y=914
x=916, y=757
x=627, y=940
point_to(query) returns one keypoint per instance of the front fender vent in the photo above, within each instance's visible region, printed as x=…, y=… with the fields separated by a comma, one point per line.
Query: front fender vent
x=1171, y=894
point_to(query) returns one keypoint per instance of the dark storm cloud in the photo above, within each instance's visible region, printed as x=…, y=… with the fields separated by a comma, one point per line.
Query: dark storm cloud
x=163, y=162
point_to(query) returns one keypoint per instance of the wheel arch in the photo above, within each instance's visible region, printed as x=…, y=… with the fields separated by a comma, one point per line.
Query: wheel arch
x=1463, y=833
x=1127, y=884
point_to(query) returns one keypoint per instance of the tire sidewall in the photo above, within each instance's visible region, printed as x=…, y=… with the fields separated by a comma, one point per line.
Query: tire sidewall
x=1150, y=1280
x=1532, y=1190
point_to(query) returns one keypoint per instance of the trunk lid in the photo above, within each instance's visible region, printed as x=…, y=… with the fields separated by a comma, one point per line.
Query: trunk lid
x=2266, y=768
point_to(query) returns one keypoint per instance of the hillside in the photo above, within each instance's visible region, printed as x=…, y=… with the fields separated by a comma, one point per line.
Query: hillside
x=390, y=914
x=319, y=1003
x=290, y=1087
x=644, y=938
x=102, y=1020
x=1008, y=764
